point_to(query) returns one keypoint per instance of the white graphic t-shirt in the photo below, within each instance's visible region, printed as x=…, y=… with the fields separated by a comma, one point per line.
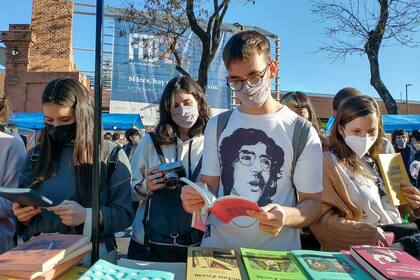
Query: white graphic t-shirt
x=255, y=162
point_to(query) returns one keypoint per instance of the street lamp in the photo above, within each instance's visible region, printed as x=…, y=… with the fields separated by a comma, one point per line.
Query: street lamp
x=406, y=97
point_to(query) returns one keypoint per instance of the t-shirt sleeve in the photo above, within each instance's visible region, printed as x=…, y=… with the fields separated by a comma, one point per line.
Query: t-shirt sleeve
x=211, y=163
x=308, y=170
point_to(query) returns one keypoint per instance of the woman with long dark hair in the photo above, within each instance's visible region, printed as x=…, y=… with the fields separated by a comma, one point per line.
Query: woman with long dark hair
x=162, y=229
x=354, y=205
x=60, y=168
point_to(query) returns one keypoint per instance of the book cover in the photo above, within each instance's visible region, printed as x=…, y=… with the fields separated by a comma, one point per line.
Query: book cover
x=41, y=253
x=179, y=269
x=393, y=173
x=386, y=263
x=348, y=255
x=25, y=197
x=73, y=273
x=106, y=270
x=211, y=263
x=224, y=208
x=77, y=254
x=262, y=264
x=328, y=265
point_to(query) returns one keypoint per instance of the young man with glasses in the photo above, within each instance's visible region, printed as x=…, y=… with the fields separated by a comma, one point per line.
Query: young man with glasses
x=253, y=158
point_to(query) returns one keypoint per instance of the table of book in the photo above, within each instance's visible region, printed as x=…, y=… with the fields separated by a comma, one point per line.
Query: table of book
x=206, y=263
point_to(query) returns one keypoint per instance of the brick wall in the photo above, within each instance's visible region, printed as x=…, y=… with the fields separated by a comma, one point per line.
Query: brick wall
x=39, y=52
x=52, y=36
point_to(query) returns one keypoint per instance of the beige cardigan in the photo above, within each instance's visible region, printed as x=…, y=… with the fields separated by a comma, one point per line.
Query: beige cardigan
x=339, y=224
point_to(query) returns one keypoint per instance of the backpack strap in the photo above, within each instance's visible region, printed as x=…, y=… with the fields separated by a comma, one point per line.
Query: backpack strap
x=35, y=154
x=300, y=137
x=196, y=170
x=222, y=121
x=112, y=161
x=157, y=147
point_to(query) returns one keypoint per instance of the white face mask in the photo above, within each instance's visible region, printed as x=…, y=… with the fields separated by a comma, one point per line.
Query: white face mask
x=185, y=116
x=254, y=97
x=360, y=145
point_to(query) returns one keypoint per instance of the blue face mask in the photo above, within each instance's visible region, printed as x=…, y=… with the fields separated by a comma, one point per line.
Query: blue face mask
x=63, y=134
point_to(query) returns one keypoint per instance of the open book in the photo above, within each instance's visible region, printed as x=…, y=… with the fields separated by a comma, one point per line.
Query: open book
x=224, y=208
x=25, y=197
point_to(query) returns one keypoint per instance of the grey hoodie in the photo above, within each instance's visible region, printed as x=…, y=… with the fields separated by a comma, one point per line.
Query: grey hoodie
x=12, y=156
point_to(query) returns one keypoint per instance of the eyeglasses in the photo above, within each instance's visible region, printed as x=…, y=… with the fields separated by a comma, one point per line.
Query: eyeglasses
x=300, y=107
x=248, y=158
x=255, y=80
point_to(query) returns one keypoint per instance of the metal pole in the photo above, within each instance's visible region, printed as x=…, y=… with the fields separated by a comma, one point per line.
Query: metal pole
x=97, y=134
x=406, y=97
x=277, y=78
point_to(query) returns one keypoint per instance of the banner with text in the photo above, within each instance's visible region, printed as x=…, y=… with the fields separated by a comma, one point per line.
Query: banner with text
x=143, y=65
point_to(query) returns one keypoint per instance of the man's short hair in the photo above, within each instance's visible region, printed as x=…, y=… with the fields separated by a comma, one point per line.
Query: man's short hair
x=343, y=94
x=116, y=136
x=131, y=132
x=399, y=132
x=240, y=46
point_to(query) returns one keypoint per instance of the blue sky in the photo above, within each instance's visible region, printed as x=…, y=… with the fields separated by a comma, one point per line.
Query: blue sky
x=301, y=67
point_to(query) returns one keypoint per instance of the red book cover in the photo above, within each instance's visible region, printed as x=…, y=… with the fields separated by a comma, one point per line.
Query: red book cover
x=228, y=207
x=386, y=263
x=224, y=208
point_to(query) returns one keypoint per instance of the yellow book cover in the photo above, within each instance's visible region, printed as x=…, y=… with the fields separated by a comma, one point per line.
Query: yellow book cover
x=211, y=263
x=394, y=174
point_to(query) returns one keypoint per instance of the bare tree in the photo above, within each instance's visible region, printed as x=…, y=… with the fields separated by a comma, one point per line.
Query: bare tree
x=363, y=26
x=170, y=20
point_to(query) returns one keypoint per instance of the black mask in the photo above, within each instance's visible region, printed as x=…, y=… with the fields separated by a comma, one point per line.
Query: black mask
x=63, y=134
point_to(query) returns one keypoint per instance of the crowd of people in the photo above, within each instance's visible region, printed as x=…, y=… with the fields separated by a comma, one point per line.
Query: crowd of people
x=306, y=183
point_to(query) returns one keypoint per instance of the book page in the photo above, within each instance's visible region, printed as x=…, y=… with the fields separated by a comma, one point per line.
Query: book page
x=208, y=197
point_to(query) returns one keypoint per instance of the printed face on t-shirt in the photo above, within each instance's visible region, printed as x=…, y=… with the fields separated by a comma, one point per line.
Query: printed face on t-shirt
x=251, y=164
x=251, y=171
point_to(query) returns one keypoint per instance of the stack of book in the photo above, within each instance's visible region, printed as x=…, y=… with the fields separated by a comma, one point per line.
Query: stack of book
x=44, y=257
x=362, y=262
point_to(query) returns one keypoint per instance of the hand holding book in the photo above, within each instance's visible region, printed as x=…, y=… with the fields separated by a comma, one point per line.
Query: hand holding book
x=25, y=214
x=71, y=213
x=199, y=200
x=271, y=218
x=412, y=195
x=192, y=201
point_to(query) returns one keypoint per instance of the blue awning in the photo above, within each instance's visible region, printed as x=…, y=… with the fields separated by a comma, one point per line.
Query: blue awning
x=35, y=121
